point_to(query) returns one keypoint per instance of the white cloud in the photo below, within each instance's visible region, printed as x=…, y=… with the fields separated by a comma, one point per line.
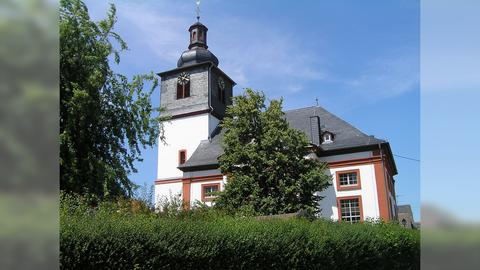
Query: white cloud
x=254, y=53
x=248, y=51
x=158, y=26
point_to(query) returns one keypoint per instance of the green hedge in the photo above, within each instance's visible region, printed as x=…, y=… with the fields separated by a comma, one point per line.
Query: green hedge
x=150, y=242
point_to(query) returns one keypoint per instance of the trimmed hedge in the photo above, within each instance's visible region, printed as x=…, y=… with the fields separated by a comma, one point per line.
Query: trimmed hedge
x=149, y=242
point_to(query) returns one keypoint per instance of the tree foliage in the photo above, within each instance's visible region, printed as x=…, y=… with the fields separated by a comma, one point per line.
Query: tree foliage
x=265, y=161
x=105, y=118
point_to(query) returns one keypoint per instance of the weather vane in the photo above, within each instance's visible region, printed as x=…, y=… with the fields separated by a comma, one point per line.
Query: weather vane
x=198, y=9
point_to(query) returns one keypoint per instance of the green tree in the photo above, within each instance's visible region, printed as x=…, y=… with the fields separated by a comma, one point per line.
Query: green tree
x=105, y=118
x=265, y=161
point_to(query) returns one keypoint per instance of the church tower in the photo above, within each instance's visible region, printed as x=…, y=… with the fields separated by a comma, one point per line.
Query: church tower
x=195, y=95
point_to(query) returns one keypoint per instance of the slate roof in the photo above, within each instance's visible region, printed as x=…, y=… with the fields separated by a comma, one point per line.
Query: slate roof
x=404, y=209
x=345, y=136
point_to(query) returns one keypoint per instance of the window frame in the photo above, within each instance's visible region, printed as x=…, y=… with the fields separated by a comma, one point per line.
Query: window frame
x=210, y=198
x=180, y=156
x=329, y=137
x=184, y=89
x=348, y=187
x=339, y=207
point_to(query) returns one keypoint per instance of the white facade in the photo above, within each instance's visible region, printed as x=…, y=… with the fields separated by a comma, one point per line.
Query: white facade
x=368, y=193
x=168, y=192
x=196, y=190
x=182, y=134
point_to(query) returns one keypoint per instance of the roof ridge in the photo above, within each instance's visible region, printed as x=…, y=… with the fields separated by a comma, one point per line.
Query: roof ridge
x=345, y=122
x=297, y=109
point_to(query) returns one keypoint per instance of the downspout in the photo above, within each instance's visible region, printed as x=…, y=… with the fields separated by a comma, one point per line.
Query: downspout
x=210, y=97
x=385, y=182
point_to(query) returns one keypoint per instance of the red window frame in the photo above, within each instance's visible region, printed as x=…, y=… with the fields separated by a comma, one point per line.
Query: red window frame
x=339, y=208
x=349, y=187
x=180, y=152
x=209, y=199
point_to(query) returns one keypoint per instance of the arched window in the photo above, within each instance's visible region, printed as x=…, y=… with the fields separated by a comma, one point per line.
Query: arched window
x=327, y=137
x=194, y=36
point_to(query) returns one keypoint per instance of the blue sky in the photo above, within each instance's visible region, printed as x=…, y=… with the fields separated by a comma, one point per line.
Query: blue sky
x=359, y=58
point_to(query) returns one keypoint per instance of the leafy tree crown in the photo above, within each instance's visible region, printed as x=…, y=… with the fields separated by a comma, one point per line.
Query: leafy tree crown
x=265, y=161
x=105, y=118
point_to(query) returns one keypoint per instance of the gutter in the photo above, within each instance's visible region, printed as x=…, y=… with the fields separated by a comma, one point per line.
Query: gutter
x=210, y=96
x=385, y=182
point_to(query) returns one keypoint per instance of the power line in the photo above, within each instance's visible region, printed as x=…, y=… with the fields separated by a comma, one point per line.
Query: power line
x=407, y=158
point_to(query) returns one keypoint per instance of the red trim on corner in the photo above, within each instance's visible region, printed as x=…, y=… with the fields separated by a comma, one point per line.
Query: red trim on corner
x=186, y=184
x=352, y=187
x=349, y=198
x=383, y=204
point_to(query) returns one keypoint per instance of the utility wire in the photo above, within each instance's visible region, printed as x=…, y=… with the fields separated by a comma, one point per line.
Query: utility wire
x=407, y=158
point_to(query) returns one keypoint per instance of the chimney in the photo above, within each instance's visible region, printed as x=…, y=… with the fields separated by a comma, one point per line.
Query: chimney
x=315, y=132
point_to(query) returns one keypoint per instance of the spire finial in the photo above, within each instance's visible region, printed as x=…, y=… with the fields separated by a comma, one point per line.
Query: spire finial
x=197, y=9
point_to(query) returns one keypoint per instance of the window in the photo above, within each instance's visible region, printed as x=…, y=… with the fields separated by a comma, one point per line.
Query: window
x=221, y=90
x=221, y=95
x=183, y=85
x=208, y=191
x=348, y=180
x=327, y=137
x=182, y=157
x=350, y=209
x=183, y=90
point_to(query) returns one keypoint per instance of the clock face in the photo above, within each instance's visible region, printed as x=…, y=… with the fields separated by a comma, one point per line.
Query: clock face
x=183, y=78
x=221, y=83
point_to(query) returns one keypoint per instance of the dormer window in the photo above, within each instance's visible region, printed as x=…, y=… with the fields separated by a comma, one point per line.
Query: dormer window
x=327, y=137
x=183, y=85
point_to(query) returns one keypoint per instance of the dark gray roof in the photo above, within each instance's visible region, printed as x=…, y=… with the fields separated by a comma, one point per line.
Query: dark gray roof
x=196, y=56
x=404, y=209
x=207, y=152
x=345, y=136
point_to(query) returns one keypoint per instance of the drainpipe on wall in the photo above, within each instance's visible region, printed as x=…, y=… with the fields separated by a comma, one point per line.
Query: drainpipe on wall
x=209, y=97
x=385, y=182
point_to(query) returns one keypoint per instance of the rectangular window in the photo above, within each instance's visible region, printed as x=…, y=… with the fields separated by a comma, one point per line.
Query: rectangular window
x=348, y=180
x=350, y=209
x=182, y=156
x=208, y=191
x=183, y=90
x=221, y=94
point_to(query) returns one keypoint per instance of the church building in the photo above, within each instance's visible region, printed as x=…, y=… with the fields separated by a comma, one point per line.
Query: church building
x=196, y=93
